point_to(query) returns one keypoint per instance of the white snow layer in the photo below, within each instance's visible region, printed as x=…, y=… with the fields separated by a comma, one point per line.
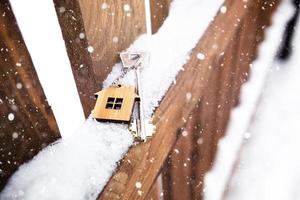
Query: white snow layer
x=270, y=162
x=73, y=168
x=273, y=133
x=79, y=167
x=40, y=29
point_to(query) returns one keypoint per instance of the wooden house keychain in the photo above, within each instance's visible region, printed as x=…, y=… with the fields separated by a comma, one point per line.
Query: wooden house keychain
x=124, y=104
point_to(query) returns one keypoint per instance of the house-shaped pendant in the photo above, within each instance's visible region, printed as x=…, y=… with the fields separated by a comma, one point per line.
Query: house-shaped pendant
x=115, y=104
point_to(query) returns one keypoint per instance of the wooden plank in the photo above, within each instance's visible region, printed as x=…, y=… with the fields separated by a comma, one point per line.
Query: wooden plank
x=111, y=26
x=94, y=33
x=27, y=123
x=146, y=159
x=179, y=168
x=154, y=193
x=71, y=22
x=222, y=95
x=159, y=12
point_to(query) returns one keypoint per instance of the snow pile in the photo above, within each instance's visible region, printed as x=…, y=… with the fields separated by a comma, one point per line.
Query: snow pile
x=280, y=101
x=73, y=168
x=270, y=158
x=79, y=167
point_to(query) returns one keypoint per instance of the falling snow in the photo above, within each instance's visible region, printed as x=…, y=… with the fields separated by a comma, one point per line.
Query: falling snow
x=115, y=39
x=19, y=86
x=81, y=35
x=11, y=116
x=138, y=185
x=223, y=9
x=104, y=6
x=18, y=64
x=90, y=49
x=62, y=9
x=15, y=135
x=126, y=7
x=200, y=56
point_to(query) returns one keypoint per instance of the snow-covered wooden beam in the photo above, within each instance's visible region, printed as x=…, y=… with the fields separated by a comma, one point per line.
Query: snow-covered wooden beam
x=27, y=122
x=212, y=77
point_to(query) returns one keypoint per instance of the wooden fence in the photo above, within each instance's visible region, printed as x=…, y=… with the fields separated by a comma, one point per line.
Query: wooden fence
x=27, y=123
x=180, y=155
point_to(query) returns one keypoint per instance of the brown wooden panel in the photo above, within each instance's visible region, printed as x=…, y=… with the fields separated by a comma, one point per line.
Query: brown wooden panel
x=159, y=12
x=154, y=193
x=27, y=123
x=111, y=26
x=94, y=33
x=71, y=23
x=177, y=183
x=222, y=95
x=210, y=82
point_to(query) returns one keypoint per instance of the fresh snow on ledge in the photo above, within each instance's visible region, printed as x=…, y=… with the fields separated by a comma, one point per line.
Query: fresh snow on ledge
x=241, y=117
x=77, y=168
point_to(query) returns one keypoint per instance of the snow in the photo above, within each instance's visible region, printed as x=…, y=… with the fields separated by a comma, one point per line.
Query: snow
x=49, y=56
x=78, y=167
x=73, y=168
x=278, y=100
x=11, y=116
x=168, y=48
x=270, y=159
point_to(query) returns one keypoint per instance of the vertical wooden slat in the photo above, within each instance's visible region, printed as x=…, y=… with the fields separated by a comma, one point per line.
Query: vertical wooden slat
x=180, y=166
x=159, y=12
x=94, y=33
x=71, y=22
x=27, y=123
x=111, y=26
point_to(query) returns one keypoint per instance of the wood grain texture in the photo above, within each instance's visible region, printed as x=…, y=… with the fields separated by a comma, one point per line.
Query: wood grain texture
x=159, y=12
x=210, y=82
x=222, y=95
x=72, y=26
x=197, y=78
x=111, y=26
x=94, y=33
x=27, y=123
x=115, y=103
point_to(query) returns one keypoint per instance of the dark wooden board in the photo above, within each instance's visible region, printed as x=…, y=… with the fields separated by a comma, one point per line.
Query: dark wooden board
x=27, y=123
x=71, y=23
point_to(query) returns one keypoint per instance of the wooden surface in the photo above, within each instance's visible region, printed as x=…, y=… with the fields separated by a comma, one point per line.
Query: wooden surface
x=27, y=123
x=214, y=85
x=124, y=113
x=111, y=26
x=159, y=12
x=95, y=32
x=222, y=94
x=71, y=23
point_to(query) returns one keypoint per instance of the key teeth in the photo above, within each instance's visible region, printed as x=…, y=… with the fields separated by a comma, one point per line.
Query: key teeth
x=150, y=130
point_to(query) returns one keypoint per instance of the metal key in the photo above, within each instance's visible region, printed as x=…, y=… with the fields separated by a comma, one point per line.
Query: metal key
x=140, y=127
